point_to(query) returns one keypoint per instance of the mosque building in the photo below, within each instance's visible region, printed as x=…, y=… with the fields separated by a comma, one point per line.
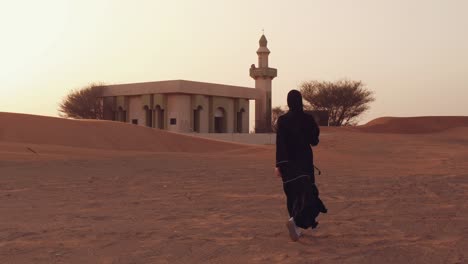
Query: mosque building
x=188, y=106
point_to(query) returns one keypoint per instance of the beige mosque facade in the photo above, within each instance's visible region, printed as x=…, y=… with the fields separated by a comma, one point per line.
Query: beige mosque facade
x=188, y=106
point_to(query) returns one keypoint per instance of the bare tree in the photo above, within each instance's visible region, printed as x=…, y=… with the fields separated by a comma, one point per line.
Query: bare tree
x=345, y=100
x=276, y=112
x=83, y=103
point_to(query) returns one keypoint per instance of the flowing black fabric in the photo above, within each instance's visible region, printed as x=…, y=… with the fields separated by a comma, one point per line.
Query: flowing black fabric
x=296, y=133
x=303, y=202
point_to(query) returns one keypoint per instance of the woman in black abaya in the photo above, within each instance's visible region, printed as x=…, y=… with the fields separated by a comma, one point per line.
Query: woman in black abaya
x=296, y=133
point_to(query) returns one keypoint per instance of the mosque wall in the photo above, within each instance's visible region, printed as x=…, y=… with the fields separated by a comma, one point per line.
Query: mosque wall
x=179, y=112
x=136, y=114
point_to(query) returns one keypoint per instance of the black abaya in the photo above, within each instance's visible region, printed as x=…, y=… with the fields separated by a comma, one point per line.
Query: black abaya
x=297, y=131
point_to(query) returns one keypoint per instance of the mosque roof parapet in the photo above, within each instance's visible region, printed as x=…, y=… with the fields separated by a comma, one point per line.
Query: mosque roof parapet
x=180, y=87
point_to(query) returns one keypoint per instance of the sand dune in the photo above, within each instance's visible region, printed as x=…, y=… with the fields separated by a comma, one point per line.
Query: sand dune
x=21, y=128
x=104, y=192
x=414, y=125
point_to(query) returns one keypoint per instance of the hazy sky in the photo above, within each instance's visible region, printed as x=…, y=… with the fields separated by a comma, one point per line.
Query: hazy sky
x=412, y=53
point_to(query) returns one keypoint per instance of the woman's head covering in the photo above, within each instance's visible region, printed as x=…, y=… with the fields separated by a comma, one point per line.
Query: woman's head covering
x=295, y=101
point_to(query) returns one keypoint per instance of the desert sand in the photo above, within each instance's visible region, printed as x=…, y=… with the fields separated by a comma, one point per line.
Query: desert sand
x=105, y=192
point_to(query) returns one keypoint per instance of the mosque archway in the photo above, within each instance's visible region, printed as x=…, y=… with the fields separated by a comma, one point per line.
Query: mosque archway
x=159, y=117
x=220, y=120
x=197, y=114
x=121, y=114
x=240, y=120
x=148, y=116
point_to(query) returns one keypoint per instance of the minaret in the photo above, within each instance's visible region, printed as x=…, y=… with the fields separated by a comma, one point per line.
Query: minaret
x=263, y=75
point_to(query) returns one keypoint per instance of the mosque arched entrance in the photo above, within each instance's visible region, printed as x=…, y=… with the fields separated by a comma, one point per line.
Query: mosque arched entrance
x=220, y=120
x=148, y=116
x=197, y=113
x=240, y=120
x=159, y=117
x=121, y=115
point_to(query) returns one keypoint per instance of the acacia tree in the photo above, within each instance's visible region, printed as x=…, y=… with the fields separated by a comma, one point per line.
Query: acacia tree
x=83, y=103
x=345, y=100
x=276, y=112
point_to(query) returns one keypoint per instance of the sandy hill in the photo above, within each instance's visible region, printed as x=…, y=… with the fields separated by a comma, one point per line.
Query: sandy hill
x=415, y=125
x=392, y=197
x=94, y=134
